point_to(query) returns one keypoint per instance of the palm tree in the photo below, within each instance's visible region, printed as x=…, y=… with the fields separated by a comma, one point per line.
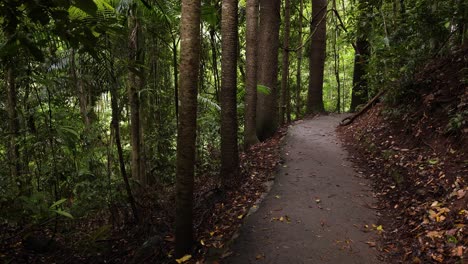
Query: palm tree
x=187, y=127
x=229, y=148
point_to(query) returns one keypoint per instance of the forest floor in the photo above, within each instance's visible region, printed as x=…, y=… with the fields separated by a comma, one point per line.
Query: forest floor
x=415, y=152
x=319, y=209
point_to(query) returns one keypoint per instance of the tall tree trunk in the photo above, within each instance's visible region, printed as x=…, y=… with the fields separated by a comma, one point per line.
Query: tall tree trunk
x=13, y=124
x=285, y=67
x=136, y=82
x=267, y=71
x=80, y=89
x=250, y=133
x=336, y=58
x=186, y=130
x=299, y=63
x=360, y=92
x=229, y=147
x=176, y=79
x=317, y=56
x=214, y=61
x=115, y=124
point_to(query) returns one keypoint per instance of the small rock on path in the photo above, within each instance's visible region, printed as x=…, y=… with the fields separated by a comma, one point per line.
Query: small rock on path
x=318, y=209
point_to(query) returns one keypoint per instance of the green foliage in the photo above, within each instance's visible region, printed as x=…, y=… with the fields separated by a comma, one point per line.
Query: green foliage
x=457, y=122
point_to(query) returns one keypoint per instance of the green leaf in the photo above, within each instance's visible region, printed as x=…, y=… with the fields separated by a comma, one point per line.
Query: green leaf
x=63, y=213
x=263, y=89
x=209, y=102
x=57, y=203
x=209, y=14
x=87, y=6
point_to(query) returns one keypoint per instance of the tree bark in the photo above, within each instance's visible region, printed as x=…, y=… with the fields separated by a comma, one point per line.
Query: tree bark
x=250, y=133
x=299, y=63
x=13, y=124
x=214, y=63
x=82, y=94
x=186, y=130
x=360, y=94
x=267, y=71
x=135, y=84
x=317, y=57
x=229, y=147
x=285, y=67
x=115, y=124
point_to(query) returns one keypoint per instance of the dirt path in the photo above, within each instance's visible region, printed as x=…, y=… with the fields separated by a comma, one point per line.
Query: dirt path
x=317, y=209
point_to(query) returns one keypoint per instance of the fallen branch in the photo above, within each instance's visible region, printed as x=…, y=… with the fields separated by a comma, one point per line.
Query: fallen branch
x=348, y=120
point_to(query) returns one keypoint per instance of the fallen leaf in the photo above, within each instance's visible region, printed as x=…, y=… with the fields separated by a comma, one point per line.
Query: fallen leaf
x=184, y=259
x=371, y=243
x=434, y=234
x=458, y=251
x=260, y=256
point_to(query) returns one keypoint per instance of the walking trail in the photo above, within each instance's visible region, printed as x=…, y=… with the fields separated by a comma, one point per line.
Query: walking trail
x=319, y=209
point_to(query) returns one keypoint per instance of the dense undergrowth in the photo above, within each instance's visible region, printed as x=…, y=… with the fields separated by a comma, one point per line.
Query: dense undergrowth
x=414, y=148
x=111, y=235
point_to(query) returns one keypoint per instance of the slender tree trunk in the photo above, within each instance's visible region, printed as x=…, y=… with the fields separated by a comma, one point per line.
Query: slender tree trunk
x=82, y=93
x=214, y=58
x=229, y=147
x=317, y=57
x=135, y=84
x=250, y=133
x=337, y=73
x=299, y=63
x=359, y=94
x=186, y=130
x=115, y=124
x=176, y=79
x=267, y=71
x=285, y=67
x=336, y=58
x=13, y=124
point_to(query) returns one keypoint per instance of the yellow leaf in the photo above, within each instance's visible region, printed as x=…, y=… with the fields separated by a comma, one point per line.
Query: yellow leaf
x=379, y=228
x=240, y=216
x=281, y=219
x=184, y=259
x=211, y=233
x=202, y=242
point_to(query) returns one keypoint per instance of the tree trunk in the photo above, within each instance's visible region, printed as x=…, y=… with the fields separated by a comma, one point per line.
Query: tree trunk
x=360, y=92
x=80, y=89
x=250, y=133
x=176, y=79
x=115, y=124
x=214, y=63
x=13, y=124
x=229, y=148
x=299, y=63
x=317, y=57
x=267, y=71
x=186, y=130
x=285, y=67
x=135, y=84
